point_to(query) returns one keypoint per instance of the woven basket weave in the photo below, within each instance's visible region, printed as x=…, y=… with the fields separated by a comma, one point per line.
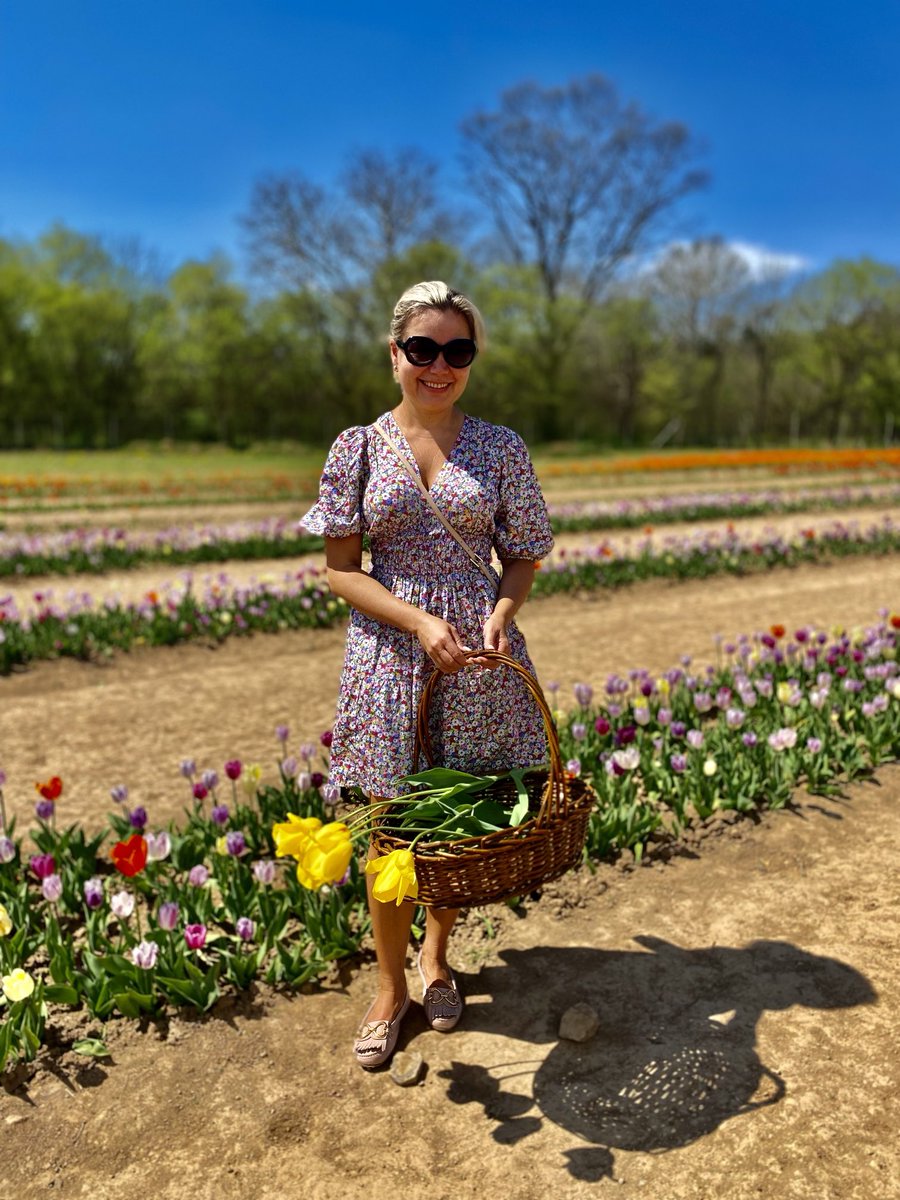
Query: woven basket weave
x=509, y=862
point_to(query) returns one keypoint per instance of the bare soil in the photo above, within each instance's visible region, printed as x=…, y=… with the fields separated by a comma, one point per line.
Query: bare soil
x=747, y=989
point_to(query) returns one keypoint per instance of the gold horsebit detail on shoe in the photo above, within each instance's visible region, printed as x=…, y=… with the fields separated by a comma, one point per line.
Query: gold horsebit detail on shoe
x=439, y=995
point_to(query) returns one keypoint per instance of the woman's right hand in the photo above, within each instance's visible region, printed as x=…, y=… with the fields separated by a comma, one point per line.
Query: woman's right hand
x=441, y=642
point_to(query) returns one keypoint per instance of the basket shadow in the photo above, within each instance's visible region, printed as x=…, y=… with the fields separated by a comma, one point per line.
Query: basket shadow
x=675, y=1053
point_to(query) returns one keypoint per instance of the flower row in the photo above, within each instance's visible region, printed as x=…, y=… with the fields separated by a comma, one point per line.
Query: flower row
x=106, y=549
x=177, y=613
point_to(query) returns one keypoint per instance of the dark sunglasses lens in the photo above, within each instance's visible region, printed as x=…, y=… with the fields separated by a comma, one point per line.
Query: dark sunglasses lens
x=421, y=351
x=459, y=353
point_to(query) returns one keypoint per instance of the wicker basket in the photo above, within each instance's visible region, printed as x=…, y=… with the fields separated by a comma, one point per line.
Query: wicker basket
x=509, y=862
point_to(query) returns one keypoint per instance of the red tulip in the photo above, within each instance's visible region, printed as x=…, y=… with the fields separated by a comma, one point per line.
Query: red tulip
x=130, y=857
x=52, y=789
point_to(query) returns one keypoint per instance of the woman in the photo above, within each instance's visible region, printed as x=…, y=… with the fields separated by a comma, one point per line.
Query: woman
x=423, y=605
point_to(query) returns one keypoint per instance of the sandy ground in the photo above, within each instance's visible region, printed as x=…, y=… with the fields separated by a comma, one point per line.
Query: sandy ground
x=747, y=990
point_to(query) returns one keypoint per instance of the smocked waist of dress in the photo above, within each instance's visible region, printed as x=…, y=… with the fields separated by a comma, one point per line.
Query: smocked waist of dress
x=428, y=573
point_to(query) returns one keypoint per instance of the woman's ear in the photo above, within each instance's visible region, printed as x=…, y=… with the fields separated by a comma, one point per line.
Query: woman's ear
x=394, y=352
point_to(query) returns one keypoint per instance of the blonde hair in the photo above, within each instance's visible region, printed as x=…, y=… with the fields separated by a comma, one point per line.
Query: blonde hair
x=436, y=294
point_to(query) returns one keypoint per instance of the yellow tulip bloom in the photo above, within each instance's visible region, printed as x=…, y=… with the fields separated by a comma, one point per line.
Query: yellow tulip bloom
x=293, y=836
x=326, y=857
x=18, y=985
x=5, y=922
x=396, y=876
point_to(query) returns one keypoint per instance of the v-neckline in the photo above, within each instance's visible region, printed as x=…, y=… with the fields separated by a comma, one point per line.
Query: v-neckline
x=412, y=455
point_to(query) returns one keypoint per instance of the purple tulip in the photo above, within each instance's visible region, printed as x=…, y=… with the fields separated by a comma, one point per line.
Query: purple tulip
x=200, y=791
x=749, y=739
x=695, y=739
x=307, y=750
x=678, y=763
x=195, y=936
x=137, y=818
x=814, y=745
x=167, y=914
x=573, y=767
x=317, y=779
x=734, y=718
x=43, y=810
x=579, y=731
x=702, y=702
x=289, y=767
x=42, y=865
x=235, y=842
x=245, y=929
x=7, y=849
x=144, y=955
x=233, y=769
x=602, y=726
x=679, y=729
x=326, y=738
x=330, y=793
x=119, y=793
x=552, y=687
x=664, y=717
x=219, y=814
x=641, y=715
x=625, y=735
x=93, y=893
x=584, y=693
x=51, y=887
x=210, y=780
x=188, y=768
x=264, y=870
x=197, y=876
x=282, y=733
x=304, y=781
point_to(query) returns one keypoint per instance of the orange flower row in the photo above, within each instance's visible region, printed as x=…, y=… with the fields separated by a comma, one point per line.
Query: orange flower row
x=777, y=459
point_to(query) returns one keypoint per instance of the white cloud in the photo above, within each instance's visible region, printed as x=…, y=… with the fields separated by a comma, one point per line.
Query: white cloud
x=763, y=263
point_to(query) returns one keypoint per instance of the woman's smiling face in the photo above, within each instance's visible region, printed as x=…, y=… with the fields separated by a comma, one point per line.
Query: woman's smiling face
x=437, y=387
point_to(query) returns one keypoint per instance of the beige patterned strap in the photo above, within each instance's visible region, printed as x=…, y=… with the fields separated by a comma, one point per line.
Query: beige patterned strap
x=475, y=559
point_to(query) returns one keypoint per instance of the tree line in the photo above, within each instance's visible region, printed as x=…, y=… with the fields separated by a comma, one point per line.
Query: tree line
x=603, y=327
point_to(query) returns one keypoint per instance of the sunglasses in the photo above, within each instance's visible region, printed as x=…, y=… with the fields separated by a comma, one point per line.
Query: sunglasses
x=422, y=351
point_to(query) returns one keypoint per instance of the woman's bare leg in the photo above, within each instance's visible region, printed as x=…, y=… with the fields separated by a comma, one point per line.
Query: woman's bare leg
x=439, y=923
x=390, y=931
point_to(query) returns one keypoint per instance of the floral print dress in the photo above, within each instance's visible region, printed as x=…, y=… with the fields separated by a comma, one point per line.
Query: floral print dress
x=481, y=721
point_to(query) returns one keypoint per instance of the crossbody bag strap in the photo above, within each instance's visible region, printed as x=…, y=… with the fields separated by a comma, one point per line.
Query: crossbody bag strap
x=475, y=559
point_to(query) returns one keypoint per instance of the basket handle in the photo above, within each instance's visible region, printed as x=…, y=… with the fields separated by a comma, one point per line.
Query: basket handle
x=555, y=802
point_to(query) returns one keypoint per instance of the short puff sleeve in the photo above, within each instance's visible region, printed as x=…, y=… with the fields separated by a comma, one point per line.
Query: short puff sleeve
x=338, y=511
x=521, y=523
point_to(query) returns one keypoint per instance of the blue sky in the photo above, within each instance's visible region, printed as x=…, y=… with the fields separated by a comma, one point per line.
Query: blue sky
x=154, y=119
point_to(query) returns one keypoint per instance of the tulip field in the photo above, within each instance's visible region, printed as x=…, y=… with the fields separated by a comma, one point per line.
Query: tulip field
x=152, y=737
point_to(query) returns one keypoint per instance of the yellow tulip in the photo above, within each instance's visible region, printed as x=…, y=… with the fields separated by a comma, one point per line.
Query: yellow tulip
x=17, y=986
x=293, y=835
x=328, y=856
x=396, y=876
x=5, y=922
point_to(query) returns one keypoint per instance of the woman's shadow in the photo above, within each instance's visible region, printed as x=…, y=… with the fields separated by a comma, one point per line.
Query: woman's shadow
x=675, y=1052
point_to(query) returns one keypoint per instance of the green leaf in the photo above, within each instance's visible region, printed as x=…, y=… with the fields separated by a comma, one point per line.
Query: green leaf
x=441, y=777
x=60, y=994
x=91, y=1048
x=132, y=1004
x=520, y=809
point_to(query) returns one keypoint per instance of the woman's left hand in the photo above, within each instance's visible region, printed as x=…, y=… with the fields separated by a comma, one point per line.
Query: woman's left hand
x=494, y=638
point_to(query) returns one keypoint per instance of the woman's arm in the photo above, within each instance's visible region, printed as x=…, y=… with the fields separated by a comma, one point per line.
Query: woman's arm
x=515, y=584
x=346, y=578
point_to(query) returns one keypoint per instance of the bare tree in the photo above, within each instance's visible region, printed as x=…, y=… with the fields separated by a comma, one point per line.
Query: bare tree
x=301, y=234
x=576, y=180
